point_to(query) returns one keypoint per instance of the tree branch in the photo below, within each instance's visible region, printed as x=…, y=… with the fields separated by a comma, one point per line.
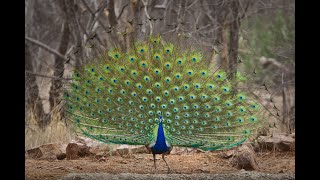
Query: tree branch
x=45, y=76
x=45, y=47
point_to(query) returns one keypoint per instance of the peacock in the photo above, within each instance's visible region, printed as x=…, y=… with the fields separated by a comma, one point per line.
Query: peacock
x=160, y=94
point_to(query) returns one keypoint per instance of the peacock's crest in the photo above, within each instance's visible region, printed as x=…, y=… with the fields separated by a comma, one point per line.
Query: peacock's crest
x=120, y=96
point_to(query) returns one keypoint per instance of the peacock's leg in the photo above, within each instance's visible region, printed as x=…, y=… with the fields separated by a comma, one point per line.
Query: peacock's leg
x=154, y=160
x=166, y=163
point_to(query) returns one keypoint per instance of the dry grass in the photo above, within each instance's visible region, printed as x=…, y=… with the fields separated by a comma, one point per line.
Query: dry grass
x=55, y=132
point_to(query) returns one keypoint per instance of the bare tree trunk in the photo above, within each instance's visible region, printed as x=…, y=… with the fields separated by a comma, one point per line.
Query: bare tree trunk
x=133, y=25
x=234, y=38
x=55, y=91
x=285, y=120
x=112, y=14
x=32, y=90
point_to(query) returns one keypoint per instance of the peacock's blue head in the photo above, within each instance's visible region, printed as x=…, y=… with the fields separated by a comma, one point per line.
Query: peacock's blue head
x=160, y=119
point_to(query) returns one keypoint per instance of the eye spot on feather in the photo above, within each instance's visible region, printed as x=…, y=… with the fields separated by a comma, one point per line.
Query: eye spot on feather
x=142, y=50
x=92, y=70
x=132, y=59
x=167, y=51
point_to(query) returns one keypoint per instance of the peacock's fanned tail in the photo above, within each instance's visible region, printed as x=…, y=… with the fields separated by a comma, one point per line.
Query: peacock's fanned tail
x=118, y=98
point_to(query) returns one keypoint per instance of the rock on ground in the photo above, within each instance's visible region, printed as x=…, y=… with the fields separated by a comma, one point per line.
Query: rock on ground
x=50, y=151
x=280, y=142
x=76, y=150
x=248, y=175
x=245, y=158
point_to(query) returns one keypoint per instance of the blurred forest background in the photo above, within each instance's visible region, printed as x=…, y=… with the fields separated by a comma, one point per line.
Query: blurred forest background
x=256, y=36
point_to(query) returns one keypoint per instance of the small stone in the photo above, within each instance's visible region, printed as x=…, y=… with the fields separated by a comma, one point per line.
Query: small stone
x=61, y=156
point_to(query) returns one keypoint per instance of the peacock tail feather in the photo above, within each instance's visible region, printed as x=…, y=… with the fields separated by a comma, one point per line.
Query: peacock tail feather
x=119, y=96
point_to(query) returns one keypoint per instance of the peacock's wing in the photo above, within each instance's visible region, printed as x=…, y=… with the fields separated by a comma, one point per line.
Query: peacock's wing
x=119, y=97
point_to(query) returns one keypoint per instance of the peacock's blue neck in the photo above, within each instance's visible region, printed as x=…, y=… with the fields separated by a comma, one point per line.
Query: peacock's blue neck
x=160, y=145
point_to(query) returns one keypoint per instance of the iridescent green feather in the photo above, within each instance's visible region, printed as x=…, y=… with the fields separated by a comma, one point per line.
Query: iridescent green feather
x=119, y=98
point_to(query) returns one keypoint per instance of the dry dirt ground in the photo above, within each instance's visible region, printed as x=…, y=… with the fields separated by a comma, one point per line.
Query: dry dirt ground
x=184, y=166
